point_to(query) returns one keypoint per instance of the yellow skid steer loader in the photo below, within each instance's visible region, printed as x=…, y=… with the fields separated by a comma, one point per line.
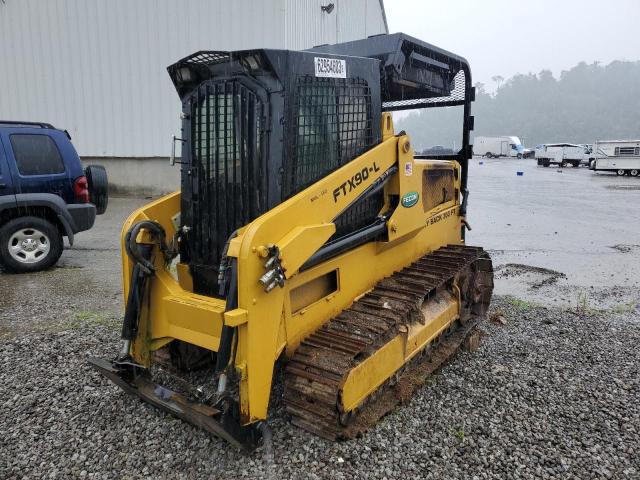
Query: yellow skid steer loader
x=306, y=231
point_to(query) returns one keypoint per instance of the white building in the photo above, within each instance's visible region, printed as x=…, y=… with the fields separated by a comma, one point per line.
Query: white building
x=98, y=68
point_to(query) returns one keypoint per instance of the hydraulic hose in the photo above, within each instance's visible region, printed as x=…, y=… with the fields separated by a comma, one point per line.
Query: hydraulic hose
x=226, y=338
x=132, y=247
x=137, y=288
x=143, y=269
x=224, y=266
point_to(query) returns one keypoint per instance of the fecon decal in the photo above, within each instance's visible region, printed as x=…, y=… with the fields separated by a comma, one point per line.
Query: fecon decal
x=330, y=67
x=410, y=199
x=351, y=184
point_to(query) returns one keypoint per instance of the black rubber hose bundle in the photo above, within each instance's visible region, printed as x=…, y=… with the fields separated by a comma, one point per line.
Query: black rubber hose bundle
x=132, y=247
x=226, y=338
x=143, y=269
x=134, y=300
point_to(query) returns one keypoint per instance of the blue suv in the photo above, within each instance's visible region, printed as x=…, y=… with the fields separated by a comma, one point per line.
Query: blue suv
x=45, y=195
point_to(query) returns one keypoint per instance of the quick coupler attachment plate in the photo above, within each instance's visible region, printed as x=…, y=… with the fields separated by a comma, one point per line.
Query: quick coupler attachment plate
x=137, y=381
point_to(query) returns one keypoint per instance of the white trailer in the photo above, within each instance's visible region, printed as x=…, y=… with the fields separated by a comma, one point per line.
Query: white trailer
x=501, y=146
x=620, y=156
x=562, y=154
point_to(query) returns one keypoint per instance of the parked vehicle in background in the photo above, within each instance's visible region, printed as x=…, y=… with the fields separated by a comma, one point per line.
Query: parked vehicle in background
x=620, y=156
x=588, y=147
x=437, y=150
x=45, y=195
x=561, y=154
x=502, y=146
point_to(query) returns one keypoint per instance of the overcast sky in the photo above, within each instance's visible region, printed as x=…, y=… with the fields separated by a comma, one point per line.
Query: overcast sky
x=505, y=37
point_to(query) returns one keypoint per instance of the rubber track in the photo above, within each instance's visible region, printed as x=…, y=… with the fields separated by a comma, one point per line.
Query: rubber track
x=313, y=377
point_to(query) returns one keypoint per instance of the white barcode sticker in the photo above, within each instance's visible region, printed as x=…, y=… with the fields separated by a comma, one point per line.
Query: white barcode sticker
x=330, y=67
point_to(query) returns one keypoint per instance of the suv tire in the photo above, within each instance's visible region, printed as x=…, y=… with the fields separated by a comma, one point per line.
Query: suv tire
x=98, y=187
x=29, y=244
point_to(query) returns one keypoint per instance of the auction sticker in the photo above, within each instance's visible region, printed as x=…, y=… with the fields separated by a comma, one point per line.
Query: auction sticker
x=330, y=67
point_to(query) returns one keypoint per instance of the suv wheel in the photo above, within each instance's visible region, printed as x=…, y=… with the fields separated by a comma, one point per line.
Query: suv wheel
x=29, y=244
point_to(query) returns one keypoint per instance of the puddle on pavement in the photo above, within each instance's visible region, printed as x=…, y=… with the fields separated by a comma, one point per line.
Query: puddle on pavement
x=622, y=248
x=533, y=277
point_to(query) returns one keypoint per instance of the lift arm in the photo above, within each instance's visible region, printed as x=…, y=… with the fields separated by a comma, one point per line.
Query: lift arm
x=312, y=211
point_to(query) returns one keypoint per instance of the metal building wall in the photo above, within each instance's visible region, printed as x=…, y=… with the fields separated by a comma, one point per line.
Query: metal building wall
x=98, y=68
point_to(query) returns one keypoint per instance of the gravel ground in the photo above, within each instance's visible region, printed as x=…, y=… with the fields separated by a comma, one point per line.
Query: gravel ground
x=549, y=394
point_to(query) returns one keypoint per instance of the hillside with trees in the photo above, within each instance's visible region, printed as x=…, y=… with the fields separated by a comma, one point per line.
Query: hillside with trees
x=587, y=103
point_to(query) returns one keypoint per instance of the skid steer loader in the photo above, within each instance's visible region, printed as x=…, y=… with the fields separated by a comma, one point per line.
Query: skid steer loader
x=307, y=233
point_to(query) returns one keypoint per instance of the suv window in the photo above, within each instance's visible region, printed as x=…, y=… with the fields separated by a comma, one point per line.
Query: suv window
x=36, y=154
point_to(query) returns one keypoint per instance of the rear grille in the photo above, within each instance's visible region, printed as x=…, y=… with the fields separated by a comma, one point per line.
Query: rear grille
x=227, y=158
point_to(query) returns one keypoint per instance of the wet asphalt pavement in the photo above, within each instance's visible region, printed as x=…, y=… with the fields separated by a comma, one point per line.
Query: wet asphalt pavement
x=583, y=227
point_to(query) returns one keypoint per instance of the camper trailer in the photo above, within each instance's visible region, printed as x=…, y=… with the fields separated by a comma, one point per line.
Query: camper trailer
x=503, y=146
x=620, y=156
x=561, y=154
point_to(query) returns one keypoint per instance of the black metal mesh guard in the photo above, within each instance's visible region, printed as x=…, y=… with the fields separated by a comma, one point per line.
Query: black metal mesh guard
x=331, y=124
x=457, y=97
x=226, y=151
x=205, y=58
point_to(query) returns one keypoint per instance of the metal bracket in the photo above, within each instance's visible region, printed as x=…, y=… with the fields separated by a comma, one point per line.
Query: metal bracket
x=137, y=381
x=172, y=158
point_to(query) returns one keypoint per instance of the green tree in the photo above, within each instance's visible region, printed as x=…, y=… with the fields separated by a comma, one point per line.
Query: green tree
x=586, y=103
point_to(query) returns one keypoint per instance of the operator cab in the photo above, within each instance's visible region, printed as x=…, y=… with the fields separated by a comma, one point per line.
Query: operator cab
x=261, y=125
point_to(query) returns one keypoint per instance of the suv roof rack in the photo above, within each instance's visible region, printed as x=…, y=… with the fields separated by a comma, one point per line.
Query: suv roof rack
x=27, y=124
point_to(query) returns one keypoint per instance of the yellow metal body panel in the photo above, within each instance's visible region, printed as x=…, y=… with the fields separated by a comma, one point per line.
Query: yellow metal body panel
x=185, y=280
x=296, y=245
x=385, y=362
x=316, y=289
x=268, y=324
x=235, y=318
x=172, y=312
